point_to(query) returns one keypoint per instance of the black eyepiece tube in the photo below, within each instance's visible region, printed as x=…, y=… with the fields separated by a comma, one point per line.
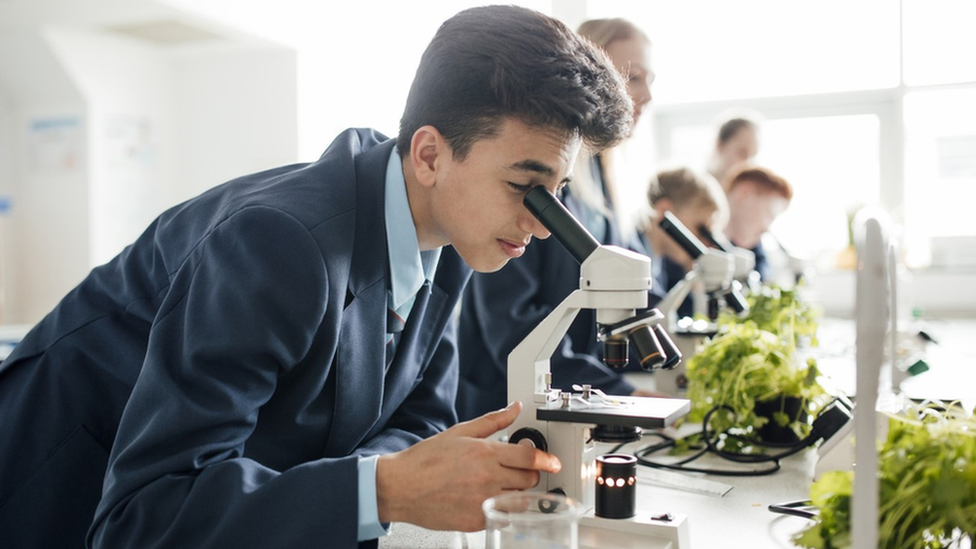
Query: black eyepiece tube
x=736, y=301
x=718, y=240
x=685, y=238
x=566, y=228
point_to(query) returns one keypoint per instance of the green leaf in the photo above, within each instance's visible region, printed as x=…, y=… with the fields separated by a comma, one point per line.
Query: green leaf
x=927, y=474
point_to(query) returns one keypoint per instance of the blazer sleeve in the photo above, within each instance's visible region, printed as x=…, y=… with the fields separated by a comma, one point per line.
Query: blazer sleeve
x=508, y=304
x=241, y=310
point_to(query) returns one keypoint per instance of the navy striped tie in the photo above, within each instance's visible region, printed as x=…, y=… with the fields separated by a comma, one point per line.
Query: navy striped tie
x=394, y=326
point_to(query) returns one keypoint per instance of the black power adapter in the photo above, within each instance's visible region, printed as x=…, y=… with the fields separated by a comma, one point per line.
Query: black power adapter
x=832, y=418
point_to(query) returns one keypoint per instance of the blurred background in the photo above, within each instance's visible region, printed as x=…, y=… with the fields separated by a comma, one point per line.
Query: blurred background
x=113, y=110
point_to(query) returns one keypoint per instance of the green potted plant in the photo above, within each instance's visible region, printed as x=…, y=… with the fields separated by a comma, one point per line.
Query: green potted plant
x=781, y=312
x=757, y=383
x=927, y=472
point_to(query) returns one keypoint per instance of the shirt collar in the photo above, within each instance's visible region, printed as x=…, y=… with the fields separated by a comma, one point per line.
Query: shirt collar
x=409, y=267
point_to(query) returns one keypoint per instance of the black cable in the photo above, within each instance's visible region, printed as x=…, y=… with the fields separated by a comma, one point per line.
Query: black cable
x=802, y=509
x=709, y=445
x=642, y=454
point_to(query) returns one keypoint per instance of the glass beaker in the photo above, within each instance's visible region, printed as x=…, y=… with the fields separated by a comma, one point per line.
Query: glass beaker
x=531, y=520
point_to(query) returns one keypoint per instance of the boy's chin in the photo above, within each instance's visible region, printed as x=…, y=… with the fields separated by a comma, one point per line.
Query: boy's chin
x=488, y=266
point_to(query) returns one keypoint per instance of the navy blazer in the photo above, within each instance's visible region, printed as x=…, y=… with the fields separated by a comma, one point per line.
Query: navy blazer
x=501, y=308
x=228, y=368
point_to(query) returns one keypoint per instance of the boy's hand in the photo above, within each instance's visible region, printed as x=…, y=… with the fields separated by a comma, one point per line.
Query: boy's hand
x=440, y=483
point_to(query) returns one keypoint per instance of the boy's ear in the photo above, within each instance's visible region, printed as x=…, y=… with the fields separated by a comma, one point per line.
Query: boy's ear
x=426, y=149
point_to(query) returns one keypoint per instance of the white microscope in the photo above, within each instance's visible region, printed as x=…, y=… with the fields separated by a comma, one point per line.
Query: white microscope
x=712, y=284
x=711, y=281
x=615, y=283
x=745, y=260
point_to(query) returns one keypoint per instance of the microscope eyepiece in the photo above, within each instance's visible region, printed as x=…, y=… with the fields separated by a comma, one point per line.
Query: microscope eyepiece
x=718, y=240
x=736, y=301
x=685, y=238
x=565, y=228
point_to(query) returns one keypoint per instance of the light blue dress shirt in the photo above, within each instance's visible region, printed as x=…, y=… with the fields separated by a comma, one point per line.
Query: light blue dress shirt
x=409, y=270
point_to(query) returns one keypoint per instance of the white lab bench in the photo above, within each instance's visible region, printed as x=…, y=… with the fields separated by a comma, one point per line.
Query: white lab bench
x=740, y=518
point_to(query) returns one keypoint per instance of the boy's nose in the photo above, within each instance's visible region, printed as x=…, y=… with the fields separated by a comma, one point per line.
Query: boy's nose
x=533, y=226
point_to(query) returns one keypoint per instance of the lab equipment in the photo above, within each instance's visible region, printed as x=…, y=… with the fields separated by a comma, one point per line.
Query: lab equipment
x=714, y=272
x=856, y=444
x=614, y=282
x=745, y=260
x=712, y=285
x=531, y=520
x=616, y=486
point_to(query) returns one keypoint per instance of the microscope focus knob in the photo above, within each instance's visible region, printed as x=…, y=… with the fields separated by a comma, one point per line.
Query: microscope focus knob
x=527, y=436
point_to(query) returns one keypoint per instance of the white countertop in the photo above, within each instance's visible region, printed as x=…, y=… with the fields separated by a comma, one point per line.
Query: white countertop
x=740, y=519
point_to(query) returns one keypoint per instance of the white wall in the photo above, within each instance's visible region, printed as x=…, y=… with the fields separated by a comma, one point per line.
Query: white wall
x=169, y=125
x=49, y=220
x=126, y=85
x=6, y=172
x=235, y=113
x=145, y=124
x=45, y=245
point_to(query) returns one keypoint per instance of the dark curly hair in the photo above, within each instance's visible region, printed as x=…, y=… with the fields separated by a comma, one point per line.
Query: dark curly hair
x=490, y=63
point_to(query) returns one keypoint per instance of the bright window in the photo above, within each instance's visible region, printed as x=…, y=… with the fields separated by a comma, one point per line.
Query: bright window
x=831, y=162
x=939, y=41
x=940, y=176
x=867, y=102
x=721, y=50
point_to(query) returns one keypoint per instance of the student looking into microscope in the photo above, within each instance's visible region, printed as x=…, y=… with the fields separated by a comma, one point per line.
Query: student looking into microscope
x=261, y=367
x=697, y=200
x=500, y=309
x=757, y=196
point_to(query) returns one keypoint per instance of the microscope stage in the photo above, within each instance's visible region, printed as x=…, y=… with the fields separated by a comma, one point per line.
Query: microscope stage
x=644, y=412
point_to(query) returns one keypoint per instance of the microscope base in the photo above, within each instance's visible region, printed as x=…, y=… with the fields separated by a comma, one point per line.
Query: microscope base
x=638, y=532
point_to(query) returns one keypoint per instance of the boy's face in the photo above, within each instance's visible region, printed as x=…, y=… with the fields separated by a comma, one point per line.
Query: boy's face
x=476, y=204
x=742, y=146
x=752, y=210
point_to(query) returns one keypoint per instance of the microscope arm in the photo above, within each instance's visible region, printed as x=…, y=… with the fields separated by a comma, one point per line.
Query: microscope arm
x=715, y=269
x=676, y=296
x=531, y=384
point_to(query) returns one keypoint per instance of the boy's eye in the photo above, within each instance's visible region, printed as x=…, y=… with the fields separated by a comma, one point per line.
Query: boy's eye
x=520, y=188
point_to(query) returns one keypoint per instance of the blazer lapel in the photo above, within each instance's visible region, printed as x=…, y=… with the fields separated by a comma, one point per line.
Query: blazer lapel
x=361, y=353
x=413, y=349
x=359, y=368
